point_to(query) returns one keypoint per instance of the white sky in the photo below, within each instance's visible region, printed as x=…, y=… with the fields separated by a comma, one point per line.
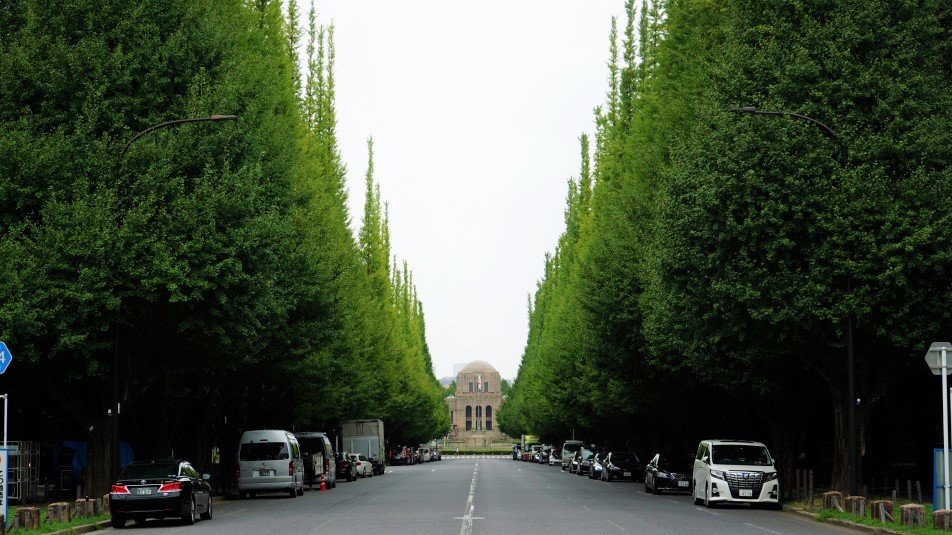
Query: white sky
x=475, y=109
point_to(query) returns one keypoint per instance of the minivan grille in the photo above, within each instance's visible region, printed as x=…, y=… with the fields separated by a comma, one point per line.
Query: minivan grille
x=745, y=480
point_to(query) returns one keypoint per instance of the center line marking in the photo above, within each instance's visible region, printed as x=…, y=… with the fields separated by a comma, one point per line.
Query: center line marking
x=587, y=507
x=763, y=528
x=708, y=512
x=466, y=528
x=616, y=525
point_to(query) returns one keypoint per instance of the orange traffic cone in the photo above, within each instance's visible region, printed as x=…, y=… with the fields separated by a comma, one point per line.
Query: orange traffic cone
x=323, y=484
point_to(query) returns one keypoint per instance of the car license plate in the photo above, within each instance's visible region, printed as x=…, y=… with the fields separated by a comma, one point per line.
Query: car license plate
x=746, y=493
x=264, y=472
x=626, y=474
x=143, y=491
x=682, y=483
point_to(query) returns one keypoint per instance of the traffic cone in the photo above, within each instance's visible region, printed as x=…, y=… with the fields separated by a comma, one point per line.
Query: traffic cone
x=323, y=484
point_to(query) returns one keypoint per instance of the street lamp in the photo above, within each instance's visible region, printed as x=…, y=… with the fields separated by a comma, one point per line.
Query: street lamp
x=849, y=285
x=115, y=358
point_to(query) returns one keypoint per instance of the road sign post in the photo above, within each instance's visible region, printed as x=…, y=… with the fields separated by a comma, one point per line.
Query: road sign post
x=937, y=359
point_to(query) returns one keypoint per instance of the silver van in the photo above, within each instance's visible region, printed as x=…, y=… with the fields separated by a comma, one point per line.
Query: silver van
x=269, y=460
x=569, y=449
x=319, y=460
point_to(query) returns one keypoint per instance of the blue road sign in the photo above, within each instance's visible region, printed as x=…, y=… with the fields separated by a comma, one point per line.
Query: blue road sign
x=5, y=357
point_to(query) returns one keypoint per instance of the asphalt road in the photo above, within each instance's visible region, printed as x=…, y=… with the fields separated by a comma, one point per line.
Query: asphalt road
x=486, y=496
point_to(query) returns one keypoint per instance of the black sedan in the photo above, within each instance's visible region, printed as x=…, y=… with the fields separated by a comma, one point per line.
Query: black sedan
x=160, y=489
x=621, y=465
x=585, y=458
x=666, y=472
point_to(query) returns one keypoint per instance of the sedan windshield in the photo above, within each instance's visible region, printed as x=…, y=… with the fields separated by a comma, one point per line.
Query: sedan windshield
x=622, y=458
x=740, y=454
x=149, y=471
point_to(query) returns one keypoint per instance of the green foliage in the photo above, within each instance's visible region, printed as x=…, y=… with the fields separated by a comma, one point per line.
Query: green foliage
x=719, y=250
x=218, y=256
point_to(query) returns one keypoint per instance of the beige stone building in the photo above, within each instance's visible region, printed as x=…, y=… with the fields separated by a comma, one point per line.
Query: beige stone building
x=474, y=408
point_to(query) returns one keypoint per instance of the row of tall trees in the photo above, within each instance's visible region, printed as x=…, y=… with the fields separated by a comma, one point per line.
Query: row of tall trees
x=710, y=261
x=216, y=263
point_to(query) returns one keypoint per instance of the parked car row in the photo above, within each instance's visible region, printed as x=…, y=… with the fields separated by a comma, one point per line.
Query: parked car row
x=722, y=471
x=269, y=460
x=406, y=455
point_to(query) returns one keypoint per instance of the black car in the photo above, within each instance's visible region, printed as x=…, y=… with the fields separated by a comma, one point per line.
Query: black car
x=345, y=468
x=621, y=465
x=585, y=456
x=159, y=489
x=667, y=472
x=379, y=467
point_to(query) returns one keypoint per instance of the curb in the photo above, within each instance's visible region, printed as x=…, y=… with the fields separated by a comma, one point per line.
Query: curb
x=842, y=523
x=105, y=524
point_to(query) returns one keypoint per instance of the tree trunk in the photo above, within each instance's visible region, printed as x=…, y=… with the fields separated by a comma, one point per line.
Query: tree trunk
x=98, y=476
x=840, y=477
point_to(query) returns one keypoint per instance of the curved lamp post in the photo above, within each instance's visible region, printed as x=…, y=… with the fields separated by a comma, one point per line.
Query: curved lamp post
x=115, y=361
x=844, y=156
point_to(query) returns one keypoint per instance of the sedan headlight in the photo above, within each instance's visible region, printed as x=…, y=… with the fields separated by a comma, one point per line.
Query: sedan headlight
x=769, y=476
x=719, y=474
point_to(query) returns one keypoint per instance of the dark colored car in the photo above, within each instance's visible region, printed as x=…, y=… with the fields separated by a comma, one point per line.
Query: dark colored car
x=379, y=467
x=585, y=458
x=598, y=465
x=436, y=455
x=345, y=468
x=576, y=459
x=159, y=489
x=516, y=452
x=668, y=472
x=621, y=465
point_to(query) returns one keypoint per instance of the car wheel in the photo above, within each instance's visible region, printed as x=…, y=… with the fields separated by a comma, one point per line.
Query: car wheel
x=563, y=467
x=334, y=484
x=117, y=521
x=300, y=491
x=654, y=487
x=293, y=492
x=207, y=515
x=608, y=476
x=242, y=495
x=697, y=501
x=189, y=517
x=252, y=493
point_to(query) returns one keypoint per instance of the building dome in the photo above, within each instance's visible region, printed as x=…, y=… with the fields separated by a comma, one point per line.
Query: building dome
x=478, y=366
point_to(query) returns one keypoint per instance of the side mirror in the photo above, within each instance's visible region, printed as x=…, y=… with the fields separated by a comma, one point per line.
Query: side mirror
x=705, y=458
x=206, y=477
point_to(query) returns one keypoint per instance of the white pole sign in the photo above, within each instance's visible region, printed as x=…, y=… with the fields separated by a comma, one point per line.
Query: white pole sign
x=3, y=483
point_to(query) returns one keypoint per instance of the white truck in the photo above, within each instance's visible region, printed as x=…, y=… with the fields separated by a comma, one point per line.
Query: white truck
x=363, y=436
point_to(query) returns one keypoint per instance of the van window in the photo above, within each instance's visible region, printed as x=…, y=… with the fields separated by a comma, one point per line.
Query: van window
x=295, y=450
x=263, y=451
x=571, y=447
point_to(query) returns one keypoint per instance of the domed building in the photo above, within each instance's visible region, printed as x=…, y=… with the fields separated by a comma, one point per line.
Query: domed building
x=474, y=408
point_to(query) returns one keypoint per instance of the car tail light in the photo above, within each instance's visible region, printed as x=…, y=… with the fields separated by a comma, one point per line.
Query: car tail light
x=119, y=489
x=291, y=468
x=237, y=471
x=327, y=464
x=170, y=487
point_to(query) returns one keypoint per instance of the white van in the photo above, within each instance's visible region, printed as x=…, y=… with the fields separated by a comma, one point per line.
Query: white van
x=569, y=449
x=319, y=459
x=737, y=471
x=269, y=461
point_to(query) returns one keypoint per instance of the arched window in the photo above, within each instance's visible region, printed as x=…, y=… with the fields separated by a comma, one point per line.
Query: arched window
x=479, y=412
x=489, y=417
x=469, y=418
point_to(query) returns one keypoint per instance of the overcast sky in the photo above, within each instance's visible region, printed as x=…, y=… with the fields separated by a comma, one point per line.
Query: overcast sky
x=475, y=109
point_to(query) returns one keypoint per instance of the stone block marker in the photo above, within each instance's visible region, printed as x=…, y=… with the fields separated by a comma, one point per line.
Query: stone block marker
x=913, y=514
x=59, y=512
x=833, y=500
x=88, y=507
x=105, y=502
x=28, y=518
x=882, y=510
x=856, y=505
x=942, y=519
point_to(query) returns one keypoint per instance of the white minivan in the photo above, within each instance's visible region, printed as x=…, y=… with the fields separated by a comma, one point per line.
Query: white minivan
x=737, y=471
x=269, y=460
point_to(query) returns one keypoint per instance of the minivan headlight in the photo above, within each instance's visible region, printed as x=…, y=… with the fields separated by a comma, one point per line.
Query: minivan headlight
x=769, y=476
x=720, y=474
